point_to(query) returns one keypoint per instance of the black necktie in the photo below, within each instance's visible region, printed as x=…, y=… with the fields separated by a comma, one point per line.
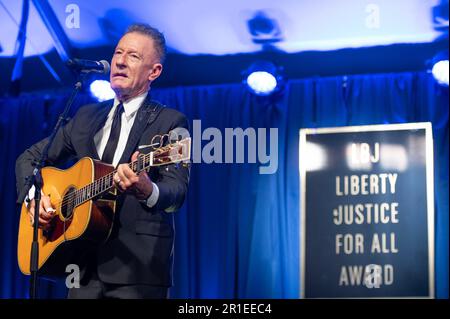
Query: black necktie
x=110, y=149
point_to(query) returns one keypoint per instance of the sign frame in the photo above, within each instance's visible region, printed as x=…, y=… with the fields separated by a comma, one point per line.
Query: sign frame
x=429, y=167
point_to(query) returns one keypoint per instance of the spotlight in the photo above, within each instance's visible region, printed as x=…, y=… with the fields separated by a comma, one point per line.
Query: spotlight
x=440, y=72
x=440, y=67
x=262, y=82
x=101, y=89
x=263, y=78
x=263, y=29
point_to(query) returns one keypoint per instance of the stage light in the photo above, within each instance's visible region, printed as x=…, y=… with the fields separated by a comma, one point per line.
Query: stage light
x=101, y=90
x=440, y=72
x=438, y=66
x=263, y=78
x=263, y=29
x=261, y=82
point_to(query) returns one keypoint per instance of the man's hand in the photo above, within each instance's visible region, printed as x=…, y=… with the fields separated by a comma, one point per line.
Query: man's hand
x=46, y=212
x=127, y=181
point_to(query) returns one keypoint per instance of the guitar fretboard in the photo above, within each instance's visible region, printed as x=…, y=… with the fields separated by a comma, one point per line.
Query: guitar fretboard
x=161, y=156
x=106, y=182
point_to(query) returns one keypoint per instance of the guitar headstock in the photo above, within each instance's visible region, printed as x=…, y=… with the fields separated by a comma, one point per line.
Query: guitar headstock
x=179, y=151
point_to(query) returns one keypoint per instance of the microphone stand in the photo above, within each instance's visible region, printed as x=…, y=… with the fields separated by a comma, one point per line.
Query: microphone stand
x=36, y=180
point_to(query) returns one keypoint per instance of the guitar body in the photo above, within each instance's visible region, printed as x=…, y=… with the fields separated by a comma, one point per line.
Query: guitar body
x=84, y=197
x=73, y=230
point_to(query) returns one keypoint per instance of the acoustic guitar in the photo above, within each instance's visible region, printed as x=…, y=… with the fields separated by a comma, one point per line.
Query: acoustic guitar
x=84, y=197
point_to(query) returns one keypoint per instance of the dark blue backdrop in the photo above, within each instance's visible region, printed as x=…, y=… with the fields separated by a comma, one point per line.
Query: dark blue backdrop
x=237, y=234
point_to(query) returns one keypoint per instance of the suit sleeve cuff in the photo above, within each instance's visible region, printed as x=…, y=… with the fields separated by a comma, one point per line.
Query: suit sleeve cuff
x=153, y=198
x=30, y=195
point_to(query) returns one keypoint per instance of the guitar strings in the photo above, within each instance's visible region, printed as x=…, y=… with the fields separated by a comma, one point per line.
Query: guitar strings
x=106, y=178
x=71, y=198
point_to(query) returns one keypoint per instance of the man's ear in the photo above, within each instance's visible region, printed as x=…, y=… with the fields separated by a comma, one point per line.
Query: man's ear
x=156, y=72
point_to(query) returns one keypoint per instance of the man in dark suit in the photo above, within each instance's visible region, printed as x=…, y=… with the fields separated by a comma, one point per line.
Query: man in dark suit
x=136, y=261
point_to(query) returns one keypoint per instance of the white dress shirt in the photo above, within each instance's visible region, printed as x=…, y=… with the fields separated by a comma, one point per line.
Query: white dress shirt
x=130, y=109
x=101, y=138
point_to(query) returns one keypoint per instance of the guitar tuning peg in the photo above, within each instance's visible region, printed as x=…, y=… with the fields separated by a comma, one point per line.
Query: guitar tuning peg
x=140, y=147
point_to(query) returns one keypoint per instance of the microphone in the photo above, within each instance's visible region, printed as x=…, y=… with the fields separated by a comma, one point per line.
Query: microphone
x=86, y=66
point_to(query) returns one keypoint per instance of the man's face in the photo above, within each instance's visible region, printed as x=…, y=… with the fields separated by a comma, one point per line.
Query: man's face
x=134, y=65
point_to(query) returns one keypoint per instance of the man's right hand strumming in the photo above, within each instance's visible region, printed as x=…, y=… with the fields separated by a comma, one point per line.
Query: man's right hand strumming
x=46, y=212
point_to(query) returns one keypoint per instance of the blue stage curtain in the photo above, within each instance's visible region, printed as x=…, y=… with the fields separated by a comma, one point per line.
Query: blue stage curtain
x=237, y=234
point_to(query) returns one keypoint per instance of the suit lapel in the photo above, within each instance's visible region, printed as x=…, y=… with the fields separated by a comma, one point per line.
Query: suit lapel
x=146, y=115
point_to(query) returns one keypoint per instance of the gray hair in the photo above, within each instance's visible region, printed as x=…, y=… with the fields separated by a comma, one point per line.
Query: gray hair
x=158, y=38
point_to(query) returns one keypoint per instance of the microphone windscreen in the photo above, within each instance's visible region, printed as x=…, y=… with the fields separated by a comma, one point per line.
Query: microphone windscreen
x=106, y=65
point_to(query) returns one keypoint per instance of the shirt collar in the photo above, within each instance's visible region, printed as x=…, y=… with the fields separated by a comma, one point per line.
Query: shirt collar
x=131, y=106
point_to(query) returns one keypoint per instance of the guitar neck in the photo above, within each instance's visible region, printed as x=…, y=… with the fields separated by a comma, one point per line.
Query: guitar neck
x=162, y=156
x=104, y=183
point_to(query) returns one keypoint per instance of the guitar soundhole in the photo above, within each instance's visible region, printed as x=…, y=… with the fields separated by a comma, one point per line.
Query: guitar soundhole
x=68, y=203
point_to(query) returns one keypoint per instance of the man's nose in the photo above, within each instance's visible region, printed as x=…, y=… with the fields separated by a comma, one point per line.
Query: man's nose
x=120, y=61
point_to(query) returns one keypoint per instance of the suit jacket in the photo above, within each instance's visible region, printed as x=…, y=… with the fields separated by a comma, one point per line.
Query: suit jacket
x=140, y=248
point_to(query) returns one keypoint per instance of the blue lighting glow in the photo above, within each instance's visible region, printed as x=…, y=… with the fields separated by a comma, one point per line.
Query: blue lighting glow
x=101, y=90
x=355, y=23
x=262, y=82
x=440, y=72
